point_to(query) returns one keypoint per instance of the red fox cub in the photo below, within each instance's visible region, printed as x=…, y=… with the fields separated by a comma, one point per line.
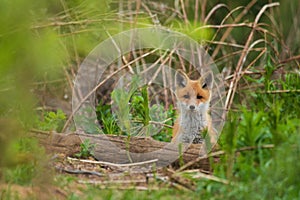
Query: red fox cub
x=193, y=98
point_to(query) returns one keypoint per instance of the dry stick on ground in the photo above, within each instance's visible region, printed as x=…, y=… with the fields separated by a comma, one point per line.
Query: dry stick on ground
x=189, y=164
x=211, y=177
x=181, y=182
x=198, y=174
x=113, y=164
x=237, y=73
x=185, y=182
x=100, y=84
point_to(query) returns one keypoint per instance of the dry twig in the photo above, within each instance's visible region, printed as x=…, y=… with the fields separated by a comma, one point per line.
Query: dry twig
x=113, y=164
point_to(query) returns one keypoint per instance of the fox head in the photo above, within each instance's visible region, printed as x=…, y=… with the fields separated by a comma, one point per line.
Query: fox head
x=193, y=95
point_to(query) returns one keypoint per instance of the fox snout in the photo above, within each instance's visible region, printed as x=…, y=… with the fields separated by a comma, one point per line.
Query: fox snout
x=192, y=107
x=188, y=106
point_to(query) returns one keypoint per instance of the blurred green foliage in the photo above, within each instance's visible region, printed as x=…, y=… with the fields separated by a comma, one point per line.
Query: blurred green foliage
x=26, y=56
x=24, y=162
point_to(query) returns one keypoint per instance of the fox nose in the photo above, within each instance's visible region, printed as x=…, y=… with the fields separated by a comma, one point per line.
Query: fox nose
x=192, y=107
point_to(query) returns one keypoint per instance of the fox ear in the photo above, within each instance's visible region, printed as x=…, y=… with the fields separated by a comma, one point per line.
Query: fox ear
x=207, y=80
x=181, y=79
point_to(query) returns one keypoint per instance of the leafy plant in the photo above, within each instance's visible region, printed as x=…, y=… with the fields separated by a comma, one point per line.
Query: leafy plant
x=140, y=106
x=107, y=120
x=133, y=110
x=121, y=99
x=52, y=121
x=86, y=149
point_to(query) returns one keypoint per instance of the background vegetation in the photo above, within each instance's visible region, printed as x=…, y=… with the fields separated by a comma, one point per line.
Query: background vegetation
x=254, y=43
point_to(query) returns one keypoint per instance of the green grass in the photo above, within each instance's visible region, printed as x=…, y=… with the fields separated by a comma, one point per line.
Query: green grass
x=132, y=194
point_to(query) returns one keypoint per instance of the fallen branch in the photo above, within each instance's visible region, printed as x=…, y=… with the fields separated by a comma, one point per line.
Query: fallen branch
x=113, y=150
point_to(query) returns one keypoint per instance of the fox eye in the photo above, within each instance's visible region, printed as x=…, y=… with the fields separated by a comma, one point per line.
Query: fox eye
x=199, y=97
x=204, y=85
x=186, y=96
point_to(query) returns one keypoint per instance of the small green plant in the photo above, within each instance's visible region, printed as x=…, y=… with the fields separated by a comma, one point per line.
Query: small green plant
x=166, y=118
x=121, y=98
x=52, y=121
x=139, y=105
x=107, y=119
x=135, y=116
x=86, y=149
